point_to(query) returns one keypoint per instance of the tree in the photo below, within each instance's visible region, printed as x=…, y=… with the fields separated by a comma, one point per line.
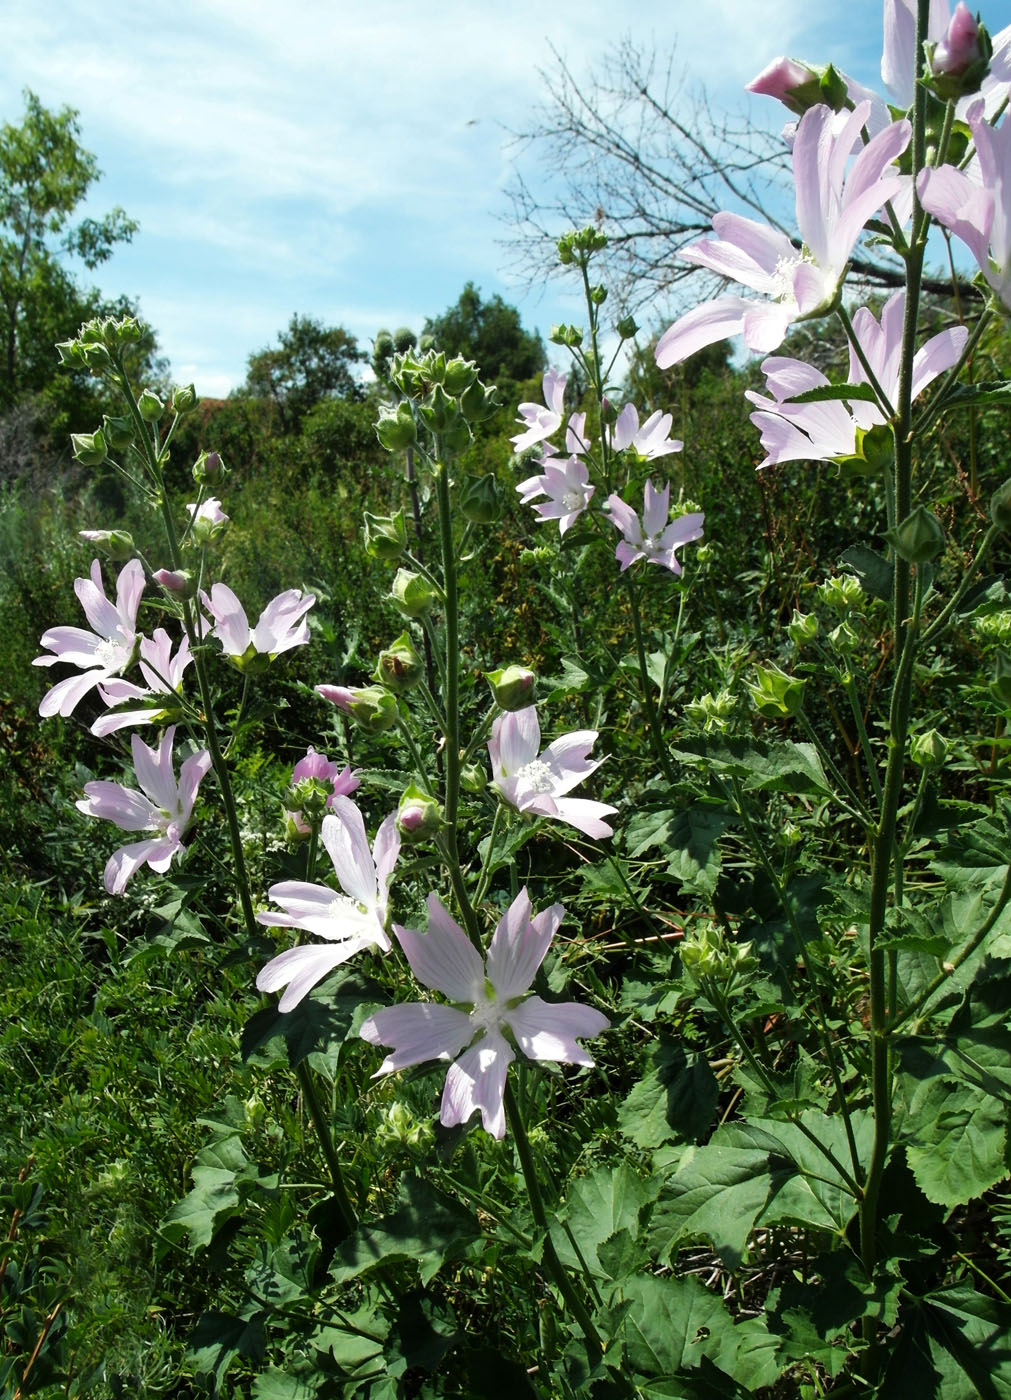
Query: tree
x=310, y=363
x=45, y=173
x=647, y=160
x=490, y=333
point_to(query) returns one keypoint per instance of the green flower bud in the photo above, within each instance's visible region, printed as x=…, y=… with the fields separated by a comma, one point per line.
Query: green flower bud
x=479, y=500
x=564, y=246
x=184, y=399
x=413, y=596
x=385, y=535
x=150, y=406
x=460, y=375
x=473, y=778
x=802, y=628
x=89, y=448
x=775, y=694
x=844, y=639
x=598, y=294
x=479, y=402
x=707, y=955
x=439, y=412
x=404, y=339
x=371, y=706
x=309, y=797
x=209, y=469
x=117, y=545
x=589, y=240
x=419, y=817
x=512, y=686
x=558, y=333
x=1000, y=506
x=400, y=667
x=71, y=354
x=919, y=538
x=929, y=749
x=96, y=357
x=397, y=431
x=842, y=594
x=574, y=338
x=627, y=327
x=119, y=433
x=714, y=714
x=608, y=412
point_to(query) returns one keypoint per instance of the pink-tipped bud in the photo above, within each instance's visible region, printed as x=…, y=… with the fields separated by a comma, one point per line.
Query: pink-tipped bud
x=960, y=45
x=799, y=86
x=961, y=59
x=179, y=581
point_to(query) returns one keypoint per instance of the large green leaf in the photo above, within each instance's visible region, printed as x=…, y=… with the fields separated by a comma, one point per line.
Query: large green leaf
x=782, y=767
x=219, y=1338
x=953, y=1344
x=754, y=1173
x=956, y=1140
x=674, y=1325
x=595, y=1208
x=676, y=1100
x=688, y=837
x=427, y=1227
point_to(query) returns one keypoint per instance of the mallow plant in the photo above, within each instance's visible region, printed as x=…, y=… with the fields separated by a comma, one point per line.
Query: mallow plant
x=730, y=1117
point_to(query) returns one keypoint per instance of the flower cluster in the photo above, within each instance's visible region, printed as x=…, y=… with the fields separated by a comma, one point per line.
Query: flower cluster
x=567, y=484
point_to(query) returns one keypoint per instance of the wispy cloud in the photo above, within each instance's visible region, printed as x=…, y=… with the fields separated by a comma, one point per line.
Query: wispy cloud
x=311, y=156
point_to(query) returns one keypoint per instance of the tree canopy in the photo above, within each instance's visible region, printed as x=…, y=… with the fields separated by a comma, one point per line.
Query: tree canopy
x=310, y=362
x=45, y=173
x=491, y=333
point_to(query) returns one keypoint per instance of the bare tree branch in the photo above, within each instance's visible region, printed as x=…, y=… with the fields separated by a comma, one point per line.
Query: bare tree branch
x=636, y=152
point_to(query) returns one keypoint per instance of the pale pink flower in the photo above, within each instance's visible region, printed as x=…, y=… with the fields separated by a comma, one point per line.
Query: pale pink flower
x=832, y=207
x=341, y=782
x=654, y=537
x=208, y=513
x=648, y=441
x=163, y=673
x=539, y=783
x=281, y=625
x=978, y=211
x=350, y=921
x=162, y=805
x=101, y=653
x=567, y=487
x=821, y=431
x=502, y=1013
x=542, y=420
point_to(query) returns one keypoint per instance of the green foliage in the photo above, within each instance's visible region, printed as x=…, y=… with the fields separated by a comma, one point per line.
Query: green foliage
x=45, y=175
x=310, y=364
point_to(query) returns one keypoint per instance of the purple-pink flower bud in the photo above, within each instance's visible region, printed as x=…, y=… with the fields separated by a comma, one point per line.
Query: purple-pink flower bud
x=960, y=46
x=779, y=78
x=173, y=580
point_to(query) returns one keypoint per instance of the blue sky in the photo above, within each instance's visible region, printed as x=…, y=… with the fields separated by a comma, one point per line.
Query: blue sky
x=349, y=161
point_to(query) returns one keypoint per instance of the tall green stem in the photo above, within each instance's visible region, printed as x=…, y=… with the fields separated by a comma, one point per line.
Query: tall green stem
x=575, y=1304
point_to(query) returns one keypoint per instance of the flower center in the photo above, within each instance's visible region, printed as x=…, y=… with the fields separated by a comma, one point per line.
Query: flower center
x=536, y=776
x=486, y=1015
x=573, y=500
x=342, y=905
x=110, y=654
x=782, y=277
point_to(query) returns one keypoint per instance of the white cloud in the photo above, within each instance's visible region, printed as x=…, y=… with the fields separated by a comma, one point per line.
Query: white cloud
x=328, y=152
